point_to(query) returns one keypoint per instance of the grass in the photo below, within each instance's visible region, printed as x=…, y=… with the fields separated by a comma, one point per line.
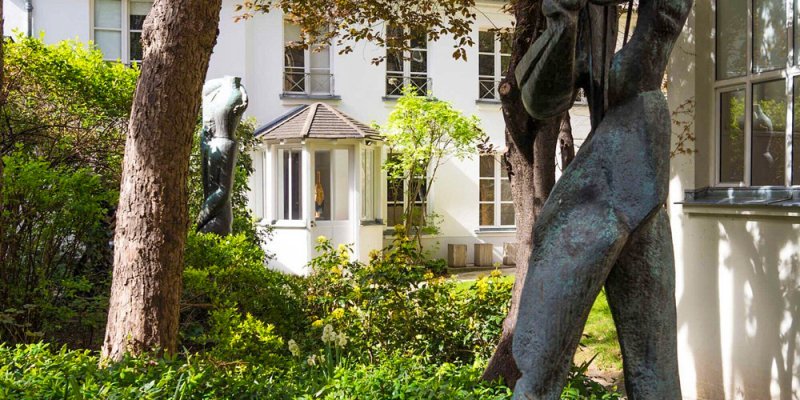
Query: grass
x=599, y=334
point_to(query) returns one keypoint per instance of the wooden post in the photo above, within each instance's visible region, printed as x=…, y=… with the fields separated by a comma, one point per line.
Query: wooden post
x=457, y=255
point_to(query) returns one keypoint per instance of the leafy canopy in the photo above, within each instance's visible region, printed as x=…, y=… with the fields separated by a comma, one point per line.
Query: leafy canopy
x=346, y=22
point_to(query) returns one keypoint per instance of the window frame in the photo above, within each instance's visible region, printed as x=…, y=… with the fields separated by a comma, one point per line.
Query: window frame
x=425, y=194
x=497, y=55
x=406, y=74
x=789, y=73
x=370, y=212
x=308, y=69
x=497, y=180
x=124, y=30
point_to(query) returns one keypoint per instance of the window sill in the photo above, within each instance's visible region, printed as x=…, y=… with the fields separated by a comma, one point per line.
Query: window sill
x=299, y=96
x=288, y=224
x=767, y=201
x=496, y=230
x=488, y=101
x=372, y=222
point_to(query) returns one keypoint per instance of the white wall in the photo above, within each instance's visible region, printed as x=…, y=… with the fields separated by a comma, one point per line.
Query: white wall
x=738, y=269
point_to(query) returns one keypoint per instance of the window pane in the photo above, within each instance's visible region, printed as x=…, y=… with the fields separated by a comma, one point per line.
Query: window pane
x=394, y=60
x=395, y=191
x=731, y=38
x=505, y=190
x=421, y=85
x=395, y=214
x=506, y=214
x=419, y=40
x=769, y=35
x=322, y=185
x=107, y=14
x=504, y=61
x=796, y=32
x=294, y=57
x=486, y=65
x=486, y=190
x=139, y=10
x=295, y=185
x=321, y=57
x=110, y=43
x=419, y=61
x=487, y=214
x=287, y=201
x=137, y=52
x=796, y=134
x=731, y=162
x=487, y=166
x=505, y=43
x=769, y=134
x=486, y=42
x=320, y=82
x=340, y=191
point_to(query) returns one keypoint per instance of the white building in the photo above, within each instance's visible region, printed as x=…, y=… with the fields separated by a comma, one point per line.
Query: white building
x=734, y=200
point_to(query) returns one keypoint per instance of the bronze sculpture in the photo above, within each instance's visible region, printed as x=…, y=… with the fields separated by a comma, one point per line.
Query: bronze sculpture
x=224, y=102
x=605, y=221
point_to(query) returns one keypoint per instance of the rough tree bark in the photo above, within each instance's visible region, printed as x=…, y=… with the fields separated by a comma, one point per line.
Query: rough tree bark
x=152, y=219
x=531, y=153
x=531, y=166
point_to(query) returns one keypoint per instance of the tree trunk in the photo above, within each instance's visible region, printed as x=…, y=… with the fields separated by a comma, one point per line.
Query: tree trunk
x=530, y=158
x=526, y=161
x=152, y=219
x=566, y=143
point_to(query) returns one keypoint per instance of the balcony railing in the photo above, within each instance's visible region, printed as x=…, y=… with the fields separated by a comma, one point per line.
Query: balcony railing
x=488, y=89
x=422, y=84
x=307, y=83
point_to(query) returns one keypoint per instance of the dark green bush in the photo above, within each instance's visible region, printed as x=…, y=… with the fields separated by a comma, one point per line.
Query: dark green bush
x=54, y=247
x=230, y=272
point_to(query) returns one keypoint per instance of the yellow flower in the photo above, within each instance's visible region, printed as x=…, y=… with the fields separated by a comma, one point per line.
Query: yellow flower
x=338, y=313
x=318, y=323
x=428, y=276
x=321, y=239
x=496, y=273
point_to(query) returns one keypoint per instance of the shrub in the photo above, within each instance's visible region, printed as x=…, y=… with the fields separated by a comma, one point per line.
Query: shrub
x=54, y=252
x=393, y=304
x=230, y=272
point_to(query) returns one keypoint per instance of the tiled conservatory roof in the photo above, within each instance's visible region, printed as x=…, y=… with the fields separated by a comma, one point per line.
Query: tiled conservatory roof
x=317, y=121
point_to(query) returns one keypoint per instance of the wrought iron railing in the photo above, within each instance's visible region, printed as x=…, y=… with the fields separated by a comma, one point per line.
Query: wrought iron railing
x=488, y=89
x=395, y=83
x=307, y=83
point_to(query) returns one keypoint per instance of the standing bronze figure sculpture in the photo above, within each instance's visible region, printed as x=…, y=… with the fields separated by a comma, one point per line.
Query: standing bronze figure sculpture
x=224, y=102
x=605, y=222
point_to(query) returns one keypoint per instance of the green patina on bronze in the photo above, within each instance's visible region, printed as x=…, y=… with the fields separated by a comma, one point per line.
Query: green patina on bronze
x=224, y=102
x=605, y=221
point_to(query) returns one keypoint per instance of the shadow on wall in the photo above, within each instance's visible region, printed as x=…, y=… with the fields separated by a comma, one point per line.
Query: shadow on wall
x=764, y=276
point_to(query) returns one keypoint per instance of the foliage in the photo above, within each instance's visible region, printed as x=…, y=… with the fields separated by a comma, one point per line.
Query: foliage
x=224, y=273
x=421, y=134
x=393, y=304
x=243, y=220
x=53, y=252
x=66, y=104
x=346, y=22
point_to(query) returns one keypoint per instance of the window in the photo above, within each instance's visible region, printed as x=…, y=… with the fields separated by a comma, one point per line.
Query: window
x=399, y=192
x=290, y=181
x=757, y=94
x=406, y=67
x=306, y=71
x=368, y=188
x=495, y=205
x=494, y=55
x=118, y=28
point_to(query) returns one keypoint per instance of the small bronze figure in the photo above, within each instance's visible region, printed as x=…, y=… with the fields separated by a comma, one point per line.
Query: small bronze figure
x=224, y=102
x=605, y=222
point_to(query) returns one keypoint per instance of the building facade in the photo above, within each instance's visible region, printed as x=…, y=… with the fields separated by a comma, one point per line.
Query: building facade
x=734, y=198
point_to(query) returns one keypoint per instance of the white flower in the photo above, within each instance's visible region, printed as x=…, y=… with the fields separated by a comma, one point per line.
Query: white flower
x=328, y=334
x=312, y=360
x=341, y=340
x=294, y=348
